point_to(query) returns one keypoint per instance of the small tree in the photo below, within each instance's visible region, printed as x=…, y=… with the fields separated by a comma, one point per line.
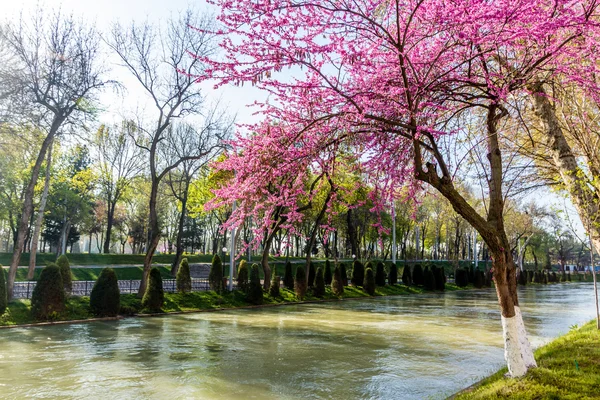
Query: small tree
x=3, y=294
x=461, y=277
x=311, y=274
x=369, y=282
x=300, y=283
x=288, y=276
x=255, y=292
x=105, y=299
x=417, y=275
x=154, y=296
x=428, y=279
x=242, y=277
x=274, y=288
x=337, y=284
x=407, y=275
x=344, y=274
x=522, y=277
x=183, y=279
x=440, y=279
x=319, y=285
x=48, y=298
x=358, y=273
x=380, y=274
x=479, y=279
x=393, y=274
x=215, y=276
x=65, y=272
x=327, y=275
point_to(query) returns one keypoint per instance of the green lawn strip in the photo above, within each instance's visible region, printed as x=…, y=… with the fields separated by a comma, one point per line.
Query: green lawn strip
x=18, y=312
x=568, y=368
x=91, y=274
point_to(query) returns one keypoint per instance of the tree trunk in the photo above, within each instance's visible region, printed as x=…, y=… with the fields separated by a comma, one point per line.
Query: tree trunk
x=154, y=237
x=179, y=247
x=109, y=224
x=40, y=216
x=265, y=261
x=352, y=234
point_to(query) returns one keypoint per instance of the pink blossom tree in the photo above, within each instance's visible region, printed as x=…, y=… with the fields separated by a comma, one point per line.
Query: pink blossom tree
x=387, y=80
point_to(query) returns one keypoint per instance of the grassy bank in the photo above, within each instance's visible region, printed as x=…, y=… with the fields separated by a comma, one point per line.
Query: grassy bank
x=18, y=312
x=568, y=368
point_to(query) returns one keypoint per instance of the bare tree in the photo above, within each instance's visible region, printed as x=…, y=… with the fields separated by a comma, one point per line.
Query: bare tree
x=52, y=80
x=160, y=61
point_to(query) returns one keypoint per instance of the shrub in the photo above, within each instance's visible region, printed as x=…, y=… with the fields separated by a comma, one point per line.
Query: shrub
x=428, y=279
x=358, y=273
x=440, y=279
x=380, y=274
x=545, y=281
x=242, y=277
x=311, y=274
x=154, y=297
x=105, y=299
x=407, y=275
x=288, y=277
x=569, y=277
x=319, y=285
x=461, y=277
x=3, y=292
x=274, y=288
x=215, y=276
x=522, y=279
x=479, y=278
x=417, y=275
x=563, y=276
x=393, y=274
x=344, y=274
x=65, y=272
x=300, y=283
x=48, y=297
x=327, y=275
x=369, y=282
x=337, y=284
x=183, y=278
x=255, y=292
x=488, y=278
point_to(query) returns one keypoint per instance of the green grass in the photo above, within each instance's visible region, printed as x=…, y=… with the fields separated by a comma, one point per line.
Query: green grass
x=91, y=274
x=568, y=368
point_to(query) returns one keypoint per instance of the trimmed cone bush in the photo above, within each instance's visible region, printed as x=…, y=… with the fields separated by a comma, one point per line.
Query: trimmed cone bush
x=369, y=282
x=380, y=274
x=488, y=278
x=417, y=275
x=479, y=279
x=255, y=292
x=215, y=276
x=522, y=278
x=471, y=273
x=48, y=297
x=311, y=274
x=358, y=273
x=440, y=279
x=65, y=272
x=300, y=283
x=105, y=299
x=461, y=277
x=344, y=274
x=274, y=288
x=393, y=275
x=337, y=285
x=183, y=278
x=242, y=277
x=327, y=273
x=288, y=277
x=319, y=285
x=154, y=297
x=3, y=292
x=406, y=275
x=428, y=279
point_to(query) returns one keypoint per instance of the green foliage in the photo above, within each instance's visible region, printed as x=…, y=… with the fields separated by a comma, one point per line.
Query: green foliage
x=288, y=277
x=300, y=283
x=328, y=276
x=48, y=298
x=183, y=278
x=3, y=292
x=407, y=275
x=358, y=273
x=428, y=279
x=393, y=274
x=274, y=288
x=461, y=278
x=65, y=272
x=154, y=297
x=522, y=279
x=255, y=291
x=242, y=277
x=380, y=274
x=311, y=274
x=440, y=278
x=105, y=299
x=369, y=282
x=343, y=274
x=563, y=276
x=319, y=285
x=418, y=277
x=479, y=279
x=215, y=276
x=337, y=285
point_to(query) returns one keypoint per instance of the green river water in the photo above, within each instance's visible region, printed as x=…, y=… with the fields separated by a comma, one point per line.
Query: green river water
x=405, y=347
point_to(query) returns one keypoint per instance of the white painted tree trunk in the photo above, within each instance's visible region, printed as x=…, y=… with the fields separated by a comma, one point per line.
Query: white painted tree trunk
x=512, y=347
x=526, y=350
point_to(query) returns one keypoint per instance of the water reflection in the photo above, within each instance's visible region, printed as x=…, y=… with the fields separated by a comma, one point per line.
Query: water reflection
x=425, y=346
